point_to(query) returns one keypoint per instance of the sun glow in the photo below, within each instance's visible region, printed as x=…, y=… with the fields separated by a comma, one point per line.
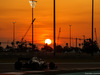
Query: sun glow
x=48, y=41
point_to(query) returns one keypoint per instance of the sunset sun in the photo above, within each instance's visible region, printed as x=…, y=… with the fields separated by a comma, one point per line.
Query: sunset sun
x=48, y=41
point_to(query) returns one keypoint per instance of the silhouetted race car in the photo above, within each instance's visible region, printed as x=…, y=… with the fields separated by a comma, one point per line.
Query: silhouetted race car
x=33, y=63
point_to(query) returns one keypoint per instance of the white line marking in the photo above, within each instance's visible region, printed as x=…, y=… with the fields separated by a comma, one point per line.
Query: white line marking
x=7, y=63
x=67, y=63
x=16, y=73
x=24, y=72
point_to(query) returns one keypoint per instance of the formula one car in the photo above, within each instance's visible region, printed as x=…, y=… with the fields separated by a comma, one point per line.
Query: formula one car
x=33, y=63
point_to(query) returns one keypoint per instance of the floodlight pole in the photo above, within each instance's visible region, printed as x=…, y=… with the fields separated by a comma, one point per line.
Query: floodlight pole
x=92, y=24
x=54, y=30
x=32, y=26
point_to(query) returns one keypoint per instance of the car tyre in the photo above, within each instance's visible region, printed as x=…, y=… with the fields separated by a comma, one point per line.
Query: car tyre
x=35, y=66
x=51, y=65
x=18, y=65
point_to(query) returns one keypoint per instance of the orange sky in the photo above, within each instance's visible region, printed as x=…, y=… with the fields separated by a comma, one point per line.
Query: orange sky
x=74, y=12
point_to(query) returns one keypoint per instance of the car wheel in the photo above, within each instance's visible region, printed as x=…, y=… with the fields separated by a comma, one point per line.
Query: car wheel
x=35, y=66
x=18, y=65
x=51, y=65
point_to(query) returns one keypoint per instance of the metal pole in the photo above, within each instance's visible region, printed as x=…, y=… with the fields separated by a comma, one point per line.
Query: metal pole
x=58, y=35
x=76, y=42
x=32, y=24
x=70, y=36
x=92, y=23
x=54, y=29
x=92, y=17
x=95, y=34
x=13, y=34
x=84, y=38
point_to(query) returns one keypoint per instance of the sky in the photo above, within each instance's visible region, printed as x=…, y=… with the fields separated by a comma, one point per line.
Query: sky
x=78, y=13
